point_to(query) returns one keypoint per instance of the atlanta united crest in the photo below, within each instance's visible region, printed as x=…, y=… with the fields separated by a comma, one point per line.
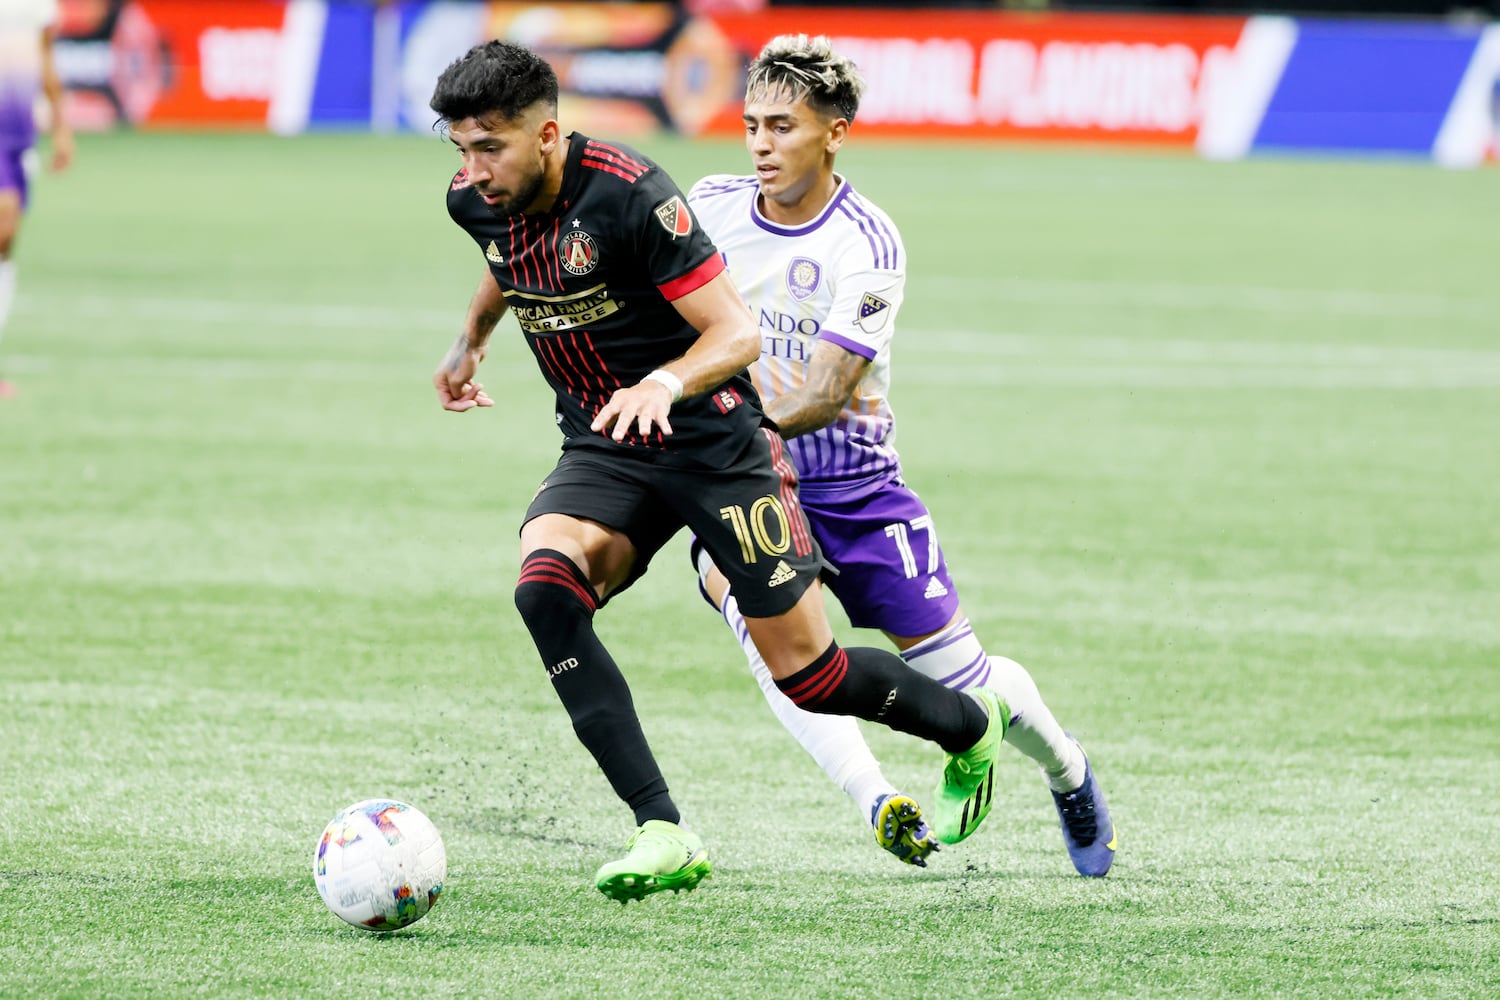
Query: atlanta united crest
x=579, y=252
x=802, y=277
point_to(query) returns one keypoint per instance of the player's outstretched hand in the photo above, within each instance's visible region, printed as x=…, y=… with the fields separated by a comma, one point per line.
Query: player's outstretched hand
x=460, y=396
x=644, y=404
x=454, y=379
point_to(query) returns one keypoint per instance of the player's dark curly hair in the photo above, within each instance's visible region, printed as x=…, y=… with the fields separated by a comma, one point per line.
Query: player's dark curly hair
x=495, y=81
x=808, y=69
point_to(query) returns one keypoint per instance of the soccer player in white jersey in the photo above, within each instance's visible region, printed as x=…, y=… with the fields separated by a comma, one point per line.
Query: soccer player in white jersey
x=823, y=270
x=27, y=30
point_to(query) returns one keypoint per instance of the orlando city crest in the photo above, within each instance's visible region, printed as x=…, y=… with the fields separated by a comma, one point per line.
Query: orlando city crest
x=579, y=252
x=802, y=277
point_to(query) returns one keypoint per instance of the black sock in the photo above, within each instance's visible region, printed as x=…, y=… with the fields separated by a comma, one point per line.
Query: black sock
x=557, y=604
x=878, y=686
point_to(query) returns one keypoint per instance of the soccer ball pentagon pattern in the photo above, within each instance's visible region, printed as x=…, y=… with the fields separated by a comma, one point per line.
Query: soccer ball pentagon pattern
x=380, y=865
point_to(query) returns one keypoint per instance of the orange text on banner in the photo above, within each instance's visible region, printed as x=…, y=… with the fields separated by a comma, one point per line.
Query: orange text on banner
x=1117, y=78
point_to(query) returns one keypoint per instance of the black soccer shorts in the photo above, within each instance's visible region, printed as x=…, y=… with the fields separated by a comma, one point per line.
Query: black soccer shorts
x=747, y=515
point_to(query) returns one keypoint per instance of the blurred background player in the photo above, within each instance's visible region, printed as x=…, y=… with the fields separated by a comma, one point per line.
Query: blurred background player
x=824, y=269
x=27, y=30
x=638, y=330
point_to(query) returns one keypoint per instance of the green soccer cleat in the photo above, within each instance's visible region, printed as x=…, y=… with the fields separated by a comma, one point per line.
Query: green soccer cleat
x=968, y=787
x=660, y=855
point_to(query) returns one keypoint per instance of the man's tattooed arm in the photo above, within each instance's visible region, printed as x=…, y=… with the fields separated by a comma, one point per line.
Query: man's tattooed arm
x=833, y=375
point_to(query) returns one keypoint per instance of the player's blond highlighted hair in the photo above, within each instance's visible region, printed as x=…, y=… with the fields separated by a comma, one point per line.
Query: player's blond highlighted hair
x=807, y=68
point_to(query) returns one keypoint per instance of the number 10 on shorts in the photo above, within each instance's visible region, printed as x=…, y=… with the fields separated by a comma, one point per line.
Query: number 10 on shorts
x=764, y=527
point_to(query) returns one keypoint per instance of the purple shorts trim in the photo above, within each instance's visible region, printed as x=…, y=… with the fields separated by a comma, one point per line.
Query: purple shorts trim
x=890, y=570
x=13, y=172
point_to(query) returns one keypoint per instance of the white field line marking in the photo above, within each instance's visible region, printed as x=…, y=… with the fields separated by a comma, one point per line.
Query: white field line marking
x=1202, y=377
x=1066, y=347
x=1045, y=291
x=197, y=311
x=1181, y=295
x=1113, y=369
x=982, y=358
x=123, y=366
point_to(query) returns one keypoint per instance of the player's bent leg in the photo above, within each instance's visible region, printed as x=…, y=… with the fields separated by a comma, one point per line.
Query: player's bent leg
x=870, y=684
x=557, y=601
x=833, y=741
x=877, y=686
x=659, y=856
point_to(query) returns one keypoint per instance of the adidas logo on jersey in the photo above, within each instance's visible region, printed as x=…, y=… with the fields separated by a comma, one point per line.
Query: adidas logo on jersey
x=492, y=254
x=782, y=574
x=935, y=589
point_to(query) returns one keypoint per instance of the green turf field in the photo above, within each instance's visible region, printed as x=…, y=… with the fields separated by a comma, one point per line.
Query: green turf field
x=1214, y=450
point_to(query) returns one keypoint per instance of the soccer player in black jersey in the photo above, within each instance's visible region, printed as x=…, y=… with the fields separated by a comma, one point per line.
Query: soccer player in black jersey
x=644, y=340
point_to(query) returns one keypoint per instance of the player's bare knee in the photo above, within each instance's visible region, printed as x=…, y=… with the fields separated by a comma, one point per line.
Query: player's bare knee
x=789, y=642
x=604, y=556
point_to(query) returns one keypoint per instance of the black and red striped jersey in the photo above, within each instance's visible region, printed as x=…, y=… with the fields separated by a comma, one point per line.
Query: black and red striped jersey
x=592, y=282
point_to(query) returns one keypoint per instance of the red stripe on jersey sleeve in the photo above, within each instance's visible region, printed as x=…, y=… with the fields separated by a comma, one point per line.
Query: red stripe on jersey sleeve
x=609, y=169
x=614, y=155
x=694, y=279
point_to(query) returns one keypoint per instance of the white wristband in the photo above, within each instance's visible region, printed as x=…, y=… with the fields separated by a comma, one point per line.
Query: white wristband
x=666, y=378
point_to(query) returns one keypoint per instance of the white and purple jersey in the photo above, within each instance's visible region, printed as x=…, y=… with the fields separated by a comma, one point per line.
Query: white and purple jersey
x=21, y=24
x=838, y=278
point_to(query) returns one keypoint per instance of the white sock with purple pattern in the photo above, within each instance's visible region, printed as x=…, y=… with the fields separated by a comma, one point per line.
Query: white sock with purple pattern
x=955, y=658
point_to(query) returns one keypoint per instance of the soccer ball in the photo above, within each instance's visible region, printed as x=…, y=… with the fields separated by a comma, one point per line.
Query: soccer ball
x=380, y=865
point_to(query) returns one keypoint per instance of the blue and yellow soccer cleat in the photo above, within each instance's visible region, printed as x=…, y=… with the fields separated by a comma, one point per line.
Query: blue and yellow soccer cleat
x=1087, y=830
x=967, y=791
x=660, y=856
x=900, y=829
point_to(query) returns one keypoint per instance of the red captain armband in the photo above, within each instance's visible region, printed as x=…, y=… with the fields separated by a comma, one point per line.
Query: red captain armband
x=693, y=280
